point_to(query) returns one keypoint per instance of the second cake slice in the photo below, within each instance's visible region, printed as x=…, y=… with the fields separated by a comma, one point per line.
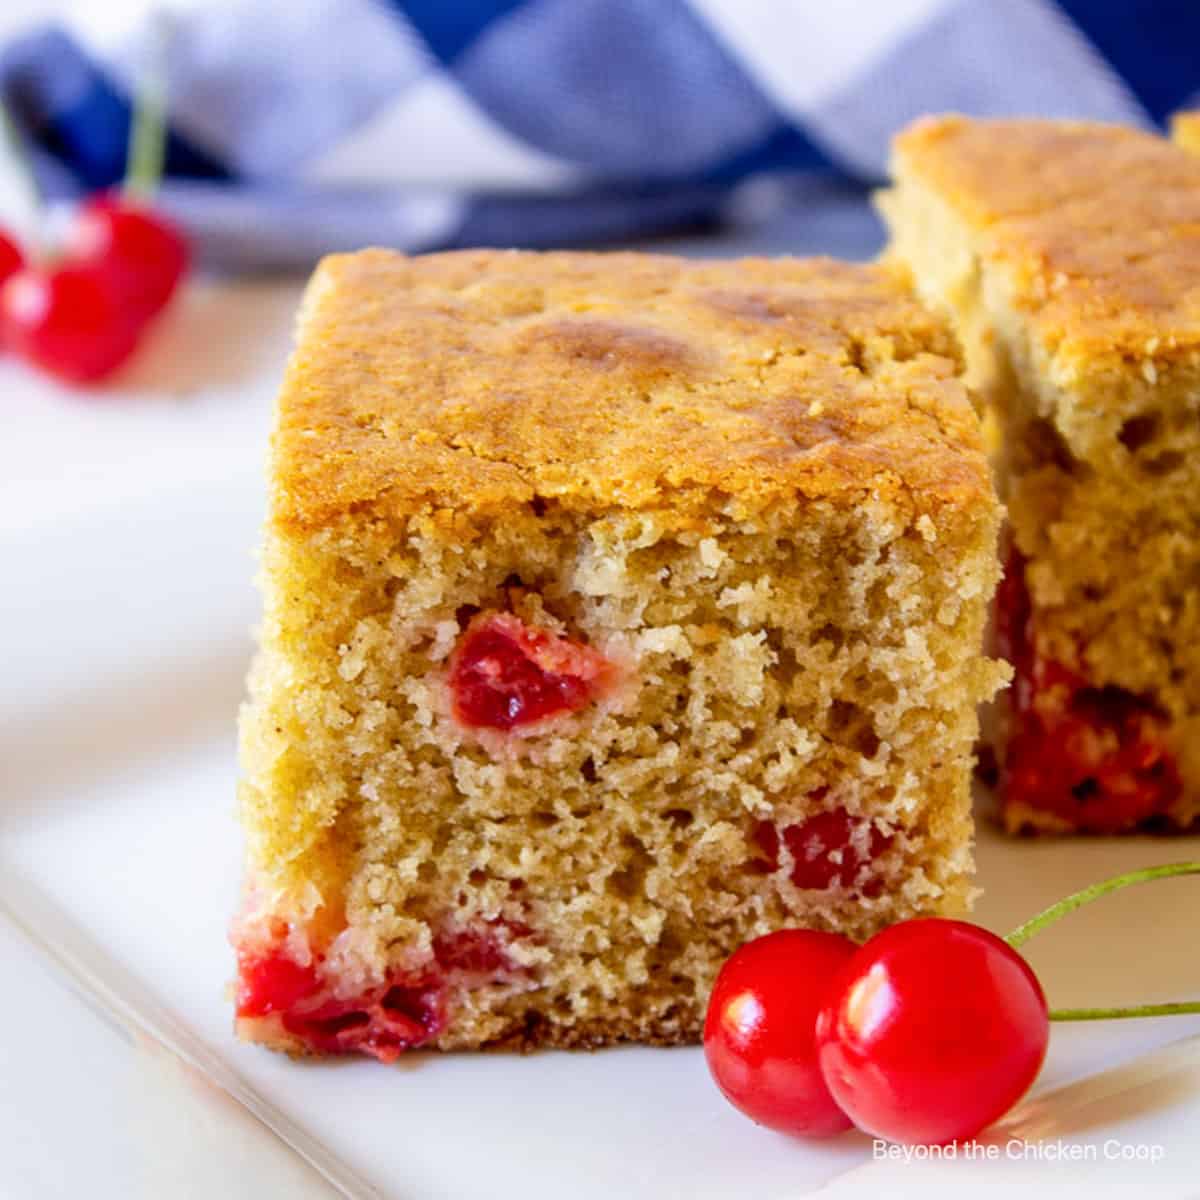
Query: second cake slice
x=618, y=609
x=1069, y=256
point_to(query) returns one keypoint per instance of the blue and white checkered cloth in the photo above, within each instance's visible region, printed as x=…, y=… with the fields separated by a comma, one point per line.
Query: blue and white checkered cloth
x=299, y=126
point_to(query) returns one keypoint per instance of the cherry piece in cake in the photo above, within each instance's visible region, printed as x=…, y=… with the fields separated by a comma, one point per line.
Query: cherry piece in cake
x=406, y=1010
x=272, y=982
x=401, y=1015
x=1094, y=759
x=505, y=673
x=823, y=849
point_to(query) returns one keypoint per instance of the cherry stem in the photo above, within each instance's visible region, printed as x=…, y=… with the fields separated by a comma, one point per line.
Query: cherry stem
x=1135, y=1010
x=1023, y=933
x=1069, y=904
x=31, y=198
x=146, y=154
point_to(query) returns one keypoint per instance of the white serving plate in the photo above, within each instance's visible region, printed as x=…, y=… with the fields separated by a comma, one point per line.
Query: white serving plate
x=127, y=539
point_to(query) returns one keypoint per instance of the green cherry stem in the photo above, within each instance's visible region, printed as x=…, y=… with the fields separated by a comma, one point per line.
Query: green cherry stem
x=1069, y=904
x=1023, y=933
x=30, y=193
x=146, y=154
x=1115, y=1014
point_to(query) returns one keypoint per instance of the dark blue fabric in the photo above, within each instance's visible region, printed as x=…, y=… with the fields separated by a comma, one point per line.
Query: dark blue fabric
x=623, y=87
x=1153, y=44
x=783, y=148
x=587, y=219
x=592, y=120
x=70, y=110
x=448, y=27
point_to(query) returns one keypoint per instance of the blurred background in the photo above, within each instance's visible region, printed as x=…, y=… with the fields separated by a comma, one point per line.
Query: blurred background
x=300, y=126
x=157, y=151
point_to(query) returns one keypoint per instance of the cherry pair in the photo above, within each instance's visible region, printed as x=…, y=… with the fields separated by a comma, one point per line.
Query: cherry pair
x=927, y=1033
x=82, y=315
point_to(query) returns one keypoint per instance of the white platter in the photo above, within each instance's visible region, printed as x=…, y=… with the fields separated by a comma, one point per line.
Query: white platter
x=128, y=605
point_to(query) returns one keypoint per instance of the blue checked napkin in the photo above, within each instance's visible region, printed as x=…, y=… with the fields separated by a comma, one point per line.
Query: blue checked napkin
x=300, y=126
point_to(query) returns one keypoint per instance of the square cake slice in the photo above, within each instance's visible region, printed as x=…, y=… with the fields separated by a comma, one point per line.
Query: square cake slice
x=618, y=608
x=1069, y=257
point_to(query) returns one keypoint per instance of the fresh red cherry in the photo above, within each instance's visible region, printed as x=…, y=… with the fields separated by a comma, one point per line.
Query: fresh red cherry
x=141, y=254
x=67, y=321
x=934, y=1030
x=11, y=258
x=759, y=1031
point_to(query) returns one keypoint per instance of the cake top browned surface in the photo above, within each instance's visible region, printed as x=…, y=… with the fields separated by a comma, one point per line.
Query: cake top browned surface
x=1097, y=225
x=481, y=379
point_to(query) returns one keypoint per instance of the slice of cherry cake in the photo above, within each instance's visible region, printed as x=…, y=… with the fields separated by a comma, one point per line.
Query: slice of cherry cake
x=1069, y=256
x=618, y=608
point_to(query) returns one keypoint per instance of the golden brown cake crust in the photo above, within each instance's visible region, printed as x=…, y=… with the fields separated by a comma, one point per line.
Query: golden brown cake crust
x=1097, y=225
x=480, y=380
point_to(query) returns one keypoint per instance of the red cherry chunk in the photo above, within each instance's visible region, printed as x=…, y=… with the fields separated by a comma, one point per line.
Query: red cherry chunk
x=759, y=1032
x=1097, y=758
x=383, y=1022
x=272, y=982
x=934, y=1029
x=479, y=951
x=505, y=674
x=141, y=254
x=67, y=321
x=824, y=848
x=407, y=1010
